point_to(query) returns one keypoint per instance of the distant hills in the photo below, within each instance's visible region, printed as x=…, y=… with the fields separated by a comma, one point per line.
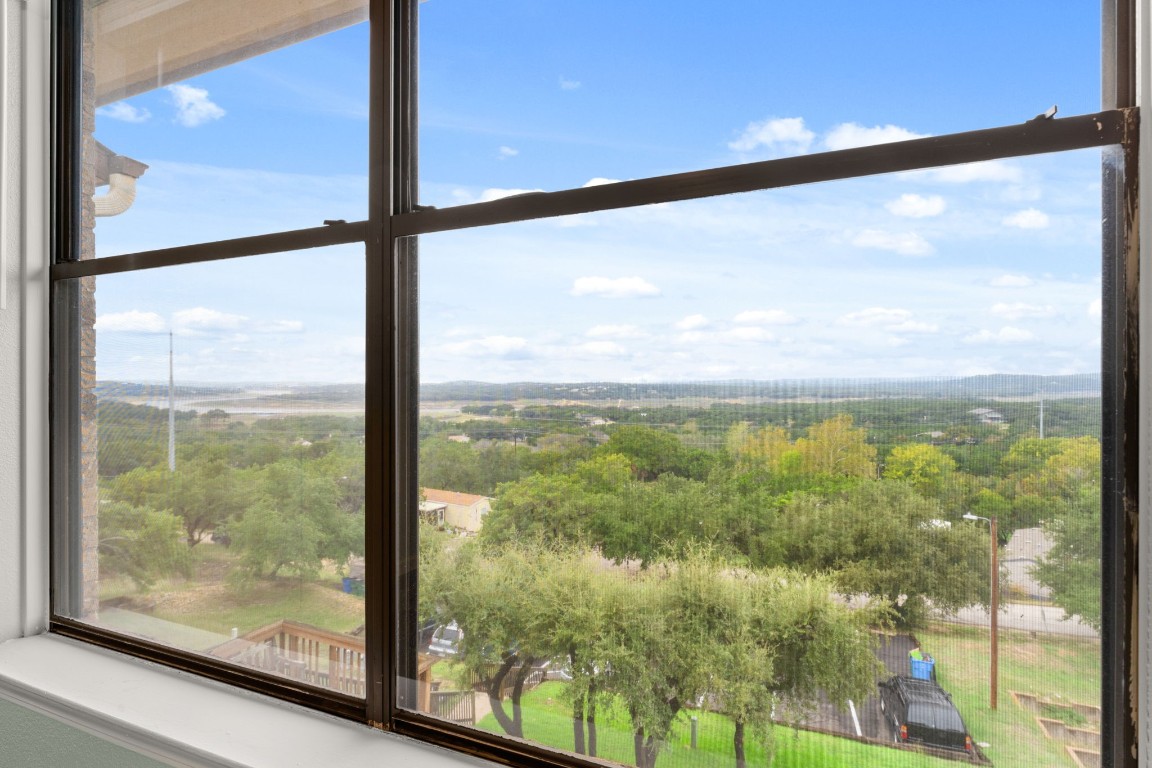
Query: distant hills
x=1007, y=386
x=990, y=386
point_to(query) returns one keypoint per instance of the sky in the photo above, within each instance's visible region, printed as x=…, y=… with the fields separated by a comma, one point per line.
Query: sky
x=989, y=268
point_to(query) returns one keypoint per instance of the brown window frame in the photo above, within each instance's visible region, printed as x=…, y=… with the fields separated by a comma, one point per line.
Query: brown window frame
x=395, y=217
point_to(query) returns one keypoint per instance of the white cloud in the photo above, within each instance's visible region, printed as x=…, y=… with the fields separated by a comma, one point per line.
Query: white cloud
x=202, y=319
x=617, y=332
x=912, y=326
x=600, y=181
x=989, y=170
x=692, y=323
x=1011, y=281
x=490, y=346
x=764, y=317
x=851, y=135
x=749, y=333
x=889, y=319
x=881, y=316
x=124, y=112
x=603, y=348
x=915, y=206
x=1095, y=308
x=903, y=243
x=614, y=288
x=193, y=107
x=131, y=321
x=568, y=85
x=280, y=326
x=1018, y=310
x=495, y=193
x=507, y=152
x=1006, y=335
x=1029, y=218
x=785, y=134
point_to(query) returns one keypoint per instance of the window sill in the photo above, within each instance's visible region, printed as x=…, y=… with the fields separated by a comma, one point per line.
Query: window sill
x=182, y=720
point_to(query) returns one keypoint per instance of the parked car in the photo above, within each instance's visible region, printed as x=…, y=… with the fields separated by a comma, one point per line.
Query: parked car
x=445, y=640
x=922, y=712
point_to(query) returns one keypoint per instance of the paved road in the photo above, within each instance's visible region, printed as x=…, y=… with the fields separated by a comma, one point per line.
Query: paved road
x=893, y=652
x=1049, y=619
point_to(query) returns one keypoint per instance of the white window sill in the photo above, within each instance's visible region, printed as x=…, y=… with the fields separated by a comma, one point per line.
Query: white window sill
x=183, y=720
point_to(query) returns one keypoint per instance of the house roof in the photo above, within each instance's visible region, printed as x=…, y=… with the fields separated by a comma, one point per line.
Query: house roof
x=452, y=497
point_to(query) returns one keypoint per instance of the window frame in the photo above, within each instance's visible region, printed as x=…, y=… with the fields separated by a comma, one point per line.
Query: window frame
x=394, y=223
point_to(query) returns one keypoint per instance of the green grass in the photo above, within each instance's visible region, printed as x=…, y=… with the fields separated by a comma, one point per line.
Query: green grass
x=547, y=720
x=209, y=602
x=265, y=602
x=1055, y=668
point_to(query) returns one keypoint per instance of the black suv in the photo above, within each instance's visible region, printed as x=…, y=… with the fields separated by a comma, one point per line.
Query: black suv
x=921, y=711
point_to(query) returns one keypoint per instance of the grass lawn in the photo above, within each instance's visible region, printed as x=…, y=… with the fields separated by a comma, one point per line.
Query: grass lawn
x=547, y=720
x=208, y=602
x=1056, y=668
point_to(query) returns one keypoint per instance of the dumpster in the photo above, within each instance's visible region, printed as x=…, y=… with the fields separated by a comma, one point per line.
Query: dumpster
x=924, y=669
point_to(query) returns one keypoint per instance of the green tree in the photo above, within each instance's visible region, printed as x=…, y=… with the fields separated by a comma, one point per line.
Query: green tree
x=201, y=493
x=654, y=452
x=1071, y=569
x=883, y=539
x=925, y=466
x=835, y=447
x=141, y=543
x=295, y=524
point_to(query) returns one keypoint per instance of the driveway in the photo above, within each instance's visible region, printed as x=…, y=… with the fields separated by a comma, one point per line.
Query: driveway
x=864, y=718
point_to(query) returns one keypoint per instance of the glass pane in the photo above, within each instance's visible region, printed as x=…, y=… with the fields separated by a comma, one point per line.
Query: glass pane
x=727, y=478
x=237, y=118
x=518, y=95
x=219, y=502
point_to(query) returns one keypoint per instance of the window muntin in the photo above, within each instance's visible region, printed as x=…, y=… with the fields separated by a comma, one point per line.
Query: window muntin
x=225, y=516
x=393, y=41
x=516, y=97
x=247, y=120
x=617, y=392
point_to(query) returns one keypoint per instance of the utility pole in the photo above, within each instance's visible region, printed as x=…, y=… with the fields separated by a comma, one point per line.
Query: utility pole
x=171, y=410
x=995, y=683
x=994, y=623
x=1041, y=418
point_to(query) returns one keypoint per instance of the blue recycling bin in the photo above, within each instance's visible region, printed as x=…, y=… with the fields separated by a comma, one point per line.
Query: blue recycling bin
x=922, y=669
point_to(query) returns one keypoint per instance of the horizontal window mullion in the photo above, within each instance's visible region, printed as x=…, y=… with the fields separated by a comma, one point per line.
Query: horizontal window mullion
x=486, y=746
x=1031, y=138
x=279, y=242
x=254, y=680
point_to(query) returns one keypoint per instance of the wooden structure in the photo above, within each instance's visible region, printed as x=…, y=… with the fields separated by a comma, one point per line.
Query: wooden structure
x=314, y=656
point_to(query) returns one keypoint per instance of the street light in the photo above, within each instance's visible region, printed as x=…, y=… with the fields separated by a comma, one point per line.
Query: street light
x=995, y=665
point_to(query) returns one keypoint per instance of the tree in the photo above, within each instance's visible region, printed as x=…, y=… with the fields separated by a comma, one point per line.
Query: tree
x=1071, y=569
x=836, y=447
x=201, y=493
x=926, y=467
x=555, y=508
x=786, y=642
x=654, y=452
x=496, y=600
x=881, y=538
x=295, y=524
x=142, y=544
x=761, y=449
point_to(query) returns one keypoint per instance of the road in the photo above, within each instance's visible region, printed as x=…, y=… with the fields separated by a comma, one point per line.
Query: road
x=893, y=652
x=1049, y=619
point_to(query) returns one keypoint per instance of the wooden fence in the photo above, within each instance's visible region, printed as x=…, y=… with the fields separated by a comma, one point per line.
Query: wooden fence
x=455, y=706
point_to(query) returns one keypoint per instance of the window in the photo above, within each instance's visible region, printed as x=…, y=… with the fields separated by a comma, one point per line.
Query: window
x=821, y=350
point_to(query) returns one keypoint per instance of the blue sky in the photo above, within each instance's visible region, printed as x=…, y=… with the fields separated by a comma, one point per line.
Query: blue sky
x=978, y=269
